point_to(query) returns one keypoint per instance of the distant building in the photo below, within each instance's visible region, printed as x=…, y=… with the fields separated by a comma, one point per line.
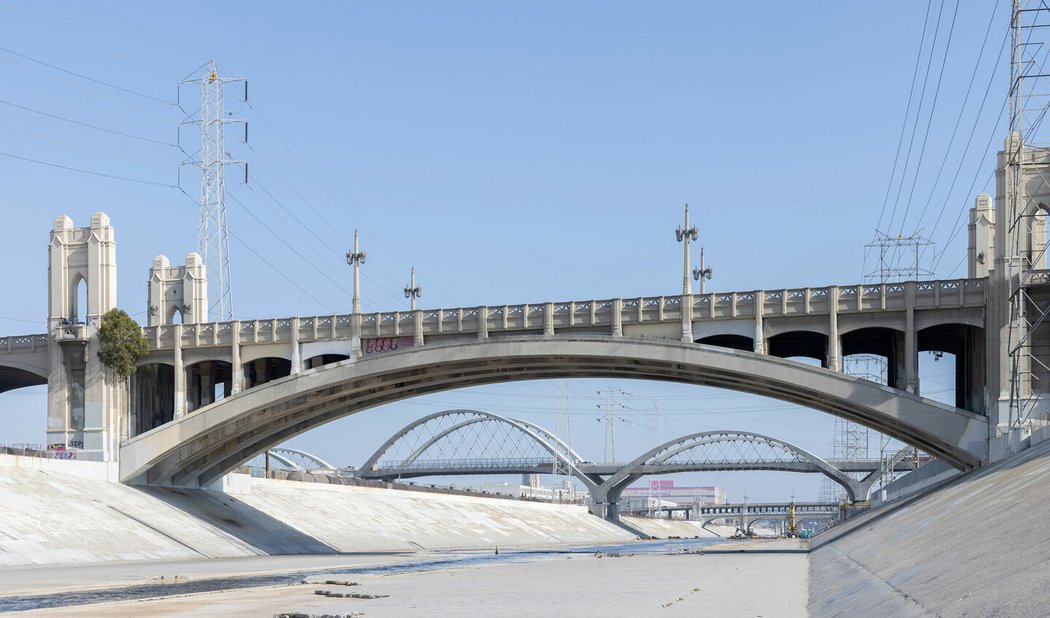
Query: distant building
x=663, y=493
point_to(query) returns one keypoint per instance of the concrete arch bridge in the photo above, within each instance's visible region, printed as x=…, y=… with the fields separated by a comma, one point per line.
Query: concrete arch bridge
x=198, y=448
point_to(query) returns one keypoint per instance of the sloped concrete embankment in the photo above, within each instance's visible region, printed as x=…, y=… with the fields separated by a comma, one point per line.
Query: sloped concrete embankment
x=975, y=547
x=51, y=517
x=668, y=528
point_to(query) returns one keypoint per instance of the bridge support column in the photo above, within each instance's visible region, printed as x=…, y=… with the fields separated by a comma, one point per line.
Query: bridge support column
x=297, y=352
x=617, y=318
x=911, y=354
x=483, y=322
x=548, y=319
x=180, y=375
x=417, y=327
x=237, y=370
x=686, y=307
x=834, y=343
x=760, y=332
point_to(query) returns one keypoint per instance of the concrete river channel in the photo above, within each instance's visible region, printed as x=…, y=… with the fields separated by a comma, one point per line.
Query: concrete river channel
x=432, y=561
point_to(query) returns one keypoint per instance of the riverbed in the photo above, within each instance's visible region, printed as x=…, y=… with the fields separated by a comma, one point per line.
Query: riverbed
x=665, y=578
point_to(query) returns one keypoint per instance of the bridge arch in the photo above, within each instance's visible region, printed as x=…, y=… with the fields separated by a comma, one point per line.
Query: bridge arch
x=725, y=450
x=14, y=374
x=200, y=447
x=450, y=427
x=297, y=459
x=799, y=343
x=965, y=344
x=732, y=342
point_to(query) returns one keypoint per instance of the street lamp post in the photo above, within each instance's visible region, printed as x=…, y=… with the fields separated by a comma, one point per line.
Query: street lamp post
x=355, y=259
x=684, y=236
x=703, y=273
x=413, y=291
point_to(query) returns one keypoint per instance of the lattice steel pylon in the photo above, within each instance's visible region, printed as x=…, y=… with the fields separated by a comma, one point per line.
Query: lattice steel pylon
x=562, y=477
x=901, y=258
x=212, y=232
x=1026, y=195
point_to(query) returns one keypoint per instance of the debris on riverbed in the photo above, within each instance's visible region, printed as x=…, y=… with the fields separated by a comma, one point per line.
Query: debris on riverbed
x=349, y=595
x=332, y=582
x=302, y=615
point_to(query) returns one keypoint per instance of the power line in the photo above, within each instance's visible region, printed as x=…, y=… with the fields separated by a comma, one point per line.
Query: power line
x=969, y=139
x=915, y=125
x=958, y=121
x=309, y=229
x=90, y=79
x=286, y=243
x=309, y=169
x=929, y=121
x=85, y=124
x=93, y=173
x=907, y=112
x=263, y=259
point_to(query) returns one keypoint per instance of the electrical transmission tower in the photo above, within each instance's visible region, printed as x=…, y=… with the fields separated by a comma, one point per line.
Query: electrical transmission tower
x=903, y=258
x=1026, y=187
x=212, y=233
x=563, y=479
x=610, y=406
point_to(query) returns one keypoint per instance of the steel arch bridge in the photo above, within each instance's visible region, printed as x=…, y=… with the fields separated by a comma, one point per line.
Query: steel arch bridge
x=300, y=461
x=722, y=451
x=463, y=442
x=474, y=442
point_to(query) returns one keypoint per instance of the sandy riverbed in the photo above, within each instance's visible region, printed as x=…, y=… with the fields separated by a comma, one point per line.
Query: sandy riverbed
x=768, y=578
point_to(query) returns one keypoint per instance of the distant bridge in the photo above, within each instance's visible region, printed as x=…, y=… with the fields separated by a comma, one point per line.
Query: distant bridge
x=470, y=442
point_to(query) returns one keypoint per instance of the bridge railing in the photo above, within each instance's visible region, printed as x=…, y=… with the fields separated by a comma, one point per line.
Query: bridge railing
x=463, y=464
x=602, y=315
x=23, y=343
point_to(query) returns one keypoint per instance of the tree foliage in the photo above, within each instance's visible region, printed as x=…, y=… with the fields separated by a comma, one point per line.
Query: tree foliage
x=121, y=343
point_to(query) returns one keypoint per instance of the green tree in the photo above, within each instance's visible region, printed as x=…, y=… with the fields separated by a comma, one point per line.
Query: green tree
x=121, y=343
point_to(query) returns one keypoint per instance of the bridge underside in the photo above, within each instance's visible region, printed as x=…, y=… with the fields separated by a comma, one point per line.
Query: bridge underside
x=200, y=447
x=12, y=378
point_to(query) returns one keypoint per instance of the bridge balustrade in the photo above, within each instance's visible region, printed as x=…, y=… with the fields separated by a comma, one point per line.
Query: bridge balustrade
x=546, y=317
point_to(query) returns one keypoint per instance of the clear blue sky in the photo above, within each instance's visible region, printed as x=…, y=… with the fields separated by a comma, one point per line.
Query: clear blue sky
x=512, y=152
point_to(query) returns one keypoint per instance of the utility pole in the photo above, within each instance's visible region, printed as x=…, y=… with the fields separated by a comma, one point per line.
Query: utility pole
x=212, y=233
x=702, y=273
x=413, y=291
x=355, y=259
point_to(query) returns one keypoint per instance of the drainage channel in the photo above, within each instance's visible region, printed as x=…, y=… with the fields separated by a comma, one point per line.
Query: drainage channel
x=455, y=559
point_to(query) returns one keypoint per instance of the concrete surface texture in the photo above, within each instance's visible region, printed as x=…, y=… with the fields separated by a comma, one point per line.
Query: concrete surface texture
x=976, y=547
x=667, y=528
x=54, y=518
x=732, y=584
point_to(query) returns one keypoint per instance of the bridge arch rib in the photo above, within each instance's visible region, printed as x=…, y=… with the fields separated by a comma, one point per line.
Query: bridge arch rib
x=449, y=428
x=20, y=375
x=727, y=450
x=200, y=447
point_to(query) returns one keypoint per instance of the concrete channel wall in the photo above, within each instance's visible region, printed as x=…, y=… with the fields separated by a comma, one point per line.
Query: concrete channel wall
x=58, y=514
x=977, y=546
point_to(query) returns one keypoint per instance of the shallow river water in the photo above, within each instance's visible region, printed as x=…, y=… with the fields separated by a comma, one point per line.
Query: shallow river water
x=445, y=560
